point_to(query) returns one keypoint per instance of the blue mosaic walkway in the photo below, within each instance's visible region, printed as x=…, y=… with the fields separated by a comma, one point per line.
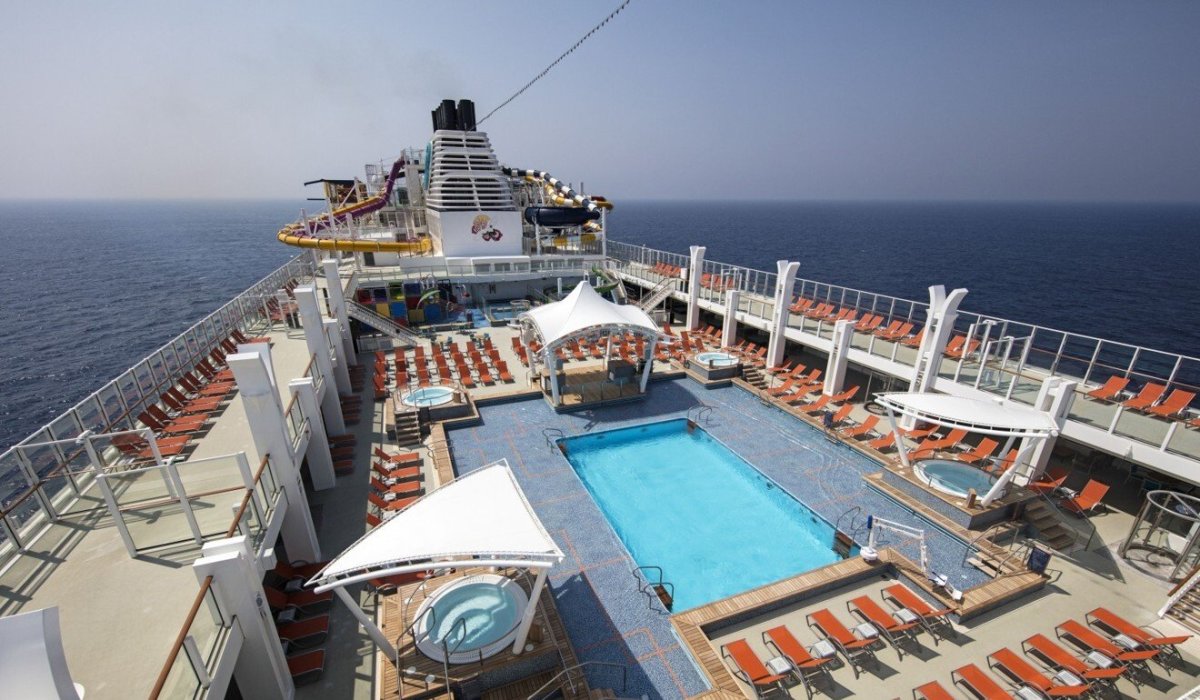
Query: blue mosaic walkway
x=606, y=616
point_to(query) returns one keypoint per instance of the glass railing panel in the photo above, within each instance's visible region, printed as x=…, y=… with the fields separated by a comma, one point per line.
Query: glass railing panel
x=12, y=479
x=1139, y=426
x=157, y=364
x=182, y=682
x=74, y=492
x=89, y=415
x=65, y=426
x=145, y=381
x=151, y=512
x=1186, y=438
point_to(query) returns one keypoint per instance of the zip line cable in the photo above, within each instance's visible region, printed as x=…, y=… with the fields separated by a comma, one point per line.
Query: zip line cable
x=558, y=60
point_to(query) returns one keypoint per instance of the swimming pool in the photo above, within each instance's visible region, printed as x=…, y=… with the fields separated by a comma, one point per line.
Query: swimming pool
x=685, y=502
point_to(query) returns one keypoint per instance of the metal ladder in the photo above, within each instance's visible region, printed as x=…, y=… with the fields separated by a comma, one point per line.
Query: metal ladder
x=663, y=591
x=695, y=413
x=382, y=324
x=552, y=436
x=661, y=291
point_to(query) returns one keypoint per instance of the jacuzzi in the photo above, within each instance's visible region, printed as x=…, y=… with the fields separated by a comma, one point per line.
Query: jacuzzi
x=489, y=607
x=953, y=478
x=714, y=365
x=717, y=359
x=428, y=396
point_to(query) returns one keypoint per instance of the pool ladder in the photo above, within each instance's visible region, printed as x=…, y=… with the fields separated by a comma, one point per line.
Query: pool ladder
x=664, y=591
x=552, y=437
x=695, y=413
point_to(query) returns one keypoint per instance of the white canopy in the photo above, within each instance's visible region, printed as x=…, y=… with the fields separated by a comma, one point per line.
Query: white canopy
x=480, y=517
x=975, y=415
x=32, y=661
x=584, y=309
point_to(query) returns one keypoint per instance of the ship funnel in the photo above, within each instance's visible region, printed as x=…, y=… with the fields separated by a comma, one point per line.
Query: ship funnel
x=451, y=117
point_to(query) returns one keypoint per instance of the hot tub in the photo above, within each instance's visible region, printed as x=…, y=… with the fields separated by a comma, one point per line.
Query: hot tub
x=472, y=616
x=428, y=396
x=716, y=365
x=953, y=478
x=717, y=359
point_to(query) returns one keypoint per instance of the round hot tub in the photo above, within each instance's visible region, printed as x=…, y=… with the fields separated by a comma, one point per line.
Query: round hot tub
x=472, y=616
x=953, y=478
x=428, y=396
x=716, y=359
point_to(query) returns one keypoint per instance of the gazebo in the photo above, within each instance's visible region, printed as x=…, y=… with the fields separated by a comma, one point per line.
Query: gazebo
x=583, y=314
x=976, y=416
x=481, y=519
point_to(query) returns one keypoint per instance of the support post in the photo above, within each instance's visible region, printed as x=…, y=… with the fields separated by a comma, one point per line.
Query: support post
x=320, y=462
x=337, y=301
x=729, y=323
x=943, y=309
x=366, y=623
x=527, y=618
x=552, y=365
x=261, y=669
x=1055, y=398
x=835, y=369
x=314, y=339
x=649, y=360
x=341, y=371
x=694, y=275
x=265, y=416
x=900, y=449
x=785, y=282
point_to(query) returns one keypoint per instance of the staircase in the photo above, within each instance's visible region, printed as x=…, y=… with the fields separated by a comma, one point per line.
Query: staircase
x=755, y=377
x=992, y=557
x=1050, y=529
x=1186, y=611
x=400, y=334
x=408, y=428
x=656, y=295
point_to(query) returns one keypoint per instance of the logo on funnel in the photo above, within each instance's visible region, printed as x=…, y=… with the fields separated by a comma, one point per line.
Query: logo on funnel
x=482, y=226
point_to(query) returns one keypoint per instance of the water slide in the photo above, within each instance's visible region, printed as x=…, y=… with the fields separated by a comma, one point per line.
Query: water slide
x=306, y=233
x=581, y=210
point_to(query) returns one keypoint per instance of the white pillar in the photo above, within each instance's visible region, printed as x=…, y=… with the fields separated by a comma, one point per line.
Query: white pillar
x=366, y=622
x=527, y=618
x=694, y=275
x=835, y=369
x=785, y=282
x=1055, y=399
x=320, y=462
x=314, y=338
x=337, y=301
x=899, y=439
x=263, y=350
x=939, y=326
x=341, y=371
x=729, y=323
x=553, y=367
x=265, y=416
x=649, y=359
x=261, y=669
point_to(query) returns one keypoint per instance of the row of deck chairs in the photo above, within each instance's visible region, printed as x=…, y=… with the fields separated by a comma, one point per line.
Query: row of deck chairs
x=1103, y=651
x=873, y=624
x=667, y=270
x=397, y=481
x=186, y=410
x=1149, y=400
x=301, y=618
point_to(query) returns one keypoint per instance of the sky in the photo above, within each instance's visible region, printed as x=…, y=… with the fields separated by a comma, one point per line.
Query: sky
x=1081, y=101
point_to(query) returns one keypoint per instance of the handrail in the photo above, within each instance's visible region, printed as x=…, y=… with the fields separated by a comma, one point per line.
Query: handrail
x=702, y=409
x=179, y=638
x=608, y=664
x=548, y=433
x=837, y=525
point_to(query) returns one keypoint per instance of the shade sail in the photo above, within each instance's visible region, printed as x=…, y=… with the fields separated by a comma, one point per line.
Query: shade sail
x=32, y=661
x=584, y=309
x=483, y=515
x=975, y=415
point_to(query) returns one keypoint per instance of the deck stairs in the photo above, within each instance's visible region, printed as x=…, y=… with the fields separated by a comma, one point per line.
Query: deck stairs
x=755, y=377
x=998, y=551
x=403, y=336
x=408, y=428
x=1050, y=529
x=660, y=292
x=1186, y=611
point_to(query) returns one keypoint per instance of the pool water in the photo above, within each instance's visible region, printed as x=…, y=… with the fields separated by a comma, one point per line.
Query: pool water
x=489, y=612
x=716, y=359
x=428, y=396
x=688, y=504
x=954, y=478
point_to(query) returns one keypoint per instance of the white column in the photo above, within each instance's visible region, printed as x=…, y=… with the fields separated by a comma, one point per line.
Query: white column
x=553, y=367
x=366, y=623
x=785, y=282
x=1055, y=399
x=265, y=416
x=835, y=369
x=314, y=338
x=694, y=275
x=263, y=350
x=729, y=323
x=341, y=371
x=530, y=610
x=649, y=359
x=899, y=439
x=320, y=462
x=939, y=326
x=337, y=301
x=261, y=669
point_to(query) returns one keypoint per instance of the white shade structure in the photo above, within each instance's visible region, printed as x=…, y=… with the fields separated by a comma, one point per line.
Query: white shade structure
x=582, y=311
x=32, y=661
x=976, y=415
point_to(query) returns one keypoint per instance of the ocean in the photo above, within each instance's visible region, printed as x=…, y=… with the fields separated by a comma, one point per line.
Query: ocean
x=89, y=288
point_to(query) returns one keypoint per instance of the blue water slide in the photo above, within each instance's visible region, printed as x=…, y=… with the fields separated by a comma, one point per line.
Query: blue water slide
x=560, y=216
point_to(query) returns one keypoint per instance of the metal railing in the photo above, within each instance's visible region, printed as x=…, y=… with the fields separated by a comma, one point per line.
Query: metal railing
x=197, y=649
x=549, y=685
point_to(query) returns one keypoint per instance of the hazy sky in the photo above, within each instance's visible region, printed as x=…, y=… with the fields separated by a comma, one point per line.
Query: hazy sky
x=838, y=100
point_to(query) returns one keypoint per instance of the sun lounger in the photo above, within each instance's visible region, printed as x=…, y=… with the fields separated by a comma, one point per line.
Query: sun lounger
x=1142, y=638
x=842, y=414
x=1177, y=402
x=1046, y=486
x=845, y=395
x=389, y=473
x=981, y=684
x=805, y=666
x=931, y=691
x=305, y=633
x=815, y=406
x=891, y=328
x=307, y=667
x=782, y=389
x=1146, y=397
x=1090, y=640
x=781, y=369
x=883, y=443
x=1055, y=656
x=1087, y=499
x=892, y=630
x=862, y=428
x=170, y=427
x=1014, y=666
x=400, y=458
x=1111, y=389
x=290, y=607
x=748, y=667
x=981, y=452
x=400, y=488
x=936, y=621
x=856, y=650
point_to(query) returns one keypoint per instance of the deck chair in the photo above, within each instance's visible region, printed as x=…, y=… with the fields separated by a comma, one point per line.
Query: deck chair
x=805, y=666
x=912, y=341
x=400, y=458
x=931, y=691
x=842, y=414
x=1111, y=389
x=891, y=328
x=1087, y=499
x=1041, y=647
x=1146, y=397
x=307, y=667
x=981, y=684
x=936, y=621
x=305, y=634
x=399, y=488
x=1046, y=487
x=1177, y=402
x=891, y=629
x=749, y=668
x=389, y=473
x=782, y=388
x=856, y=650
x=815, y=406
x=861, y=429
x=170, y=427
x=1012, y=665
x=1090, y=640
x=290, y=607
x=955, y=345
x=845, y=395
x=781, y=369
x=1143, y=638
x=883, y=443
x=982, y=451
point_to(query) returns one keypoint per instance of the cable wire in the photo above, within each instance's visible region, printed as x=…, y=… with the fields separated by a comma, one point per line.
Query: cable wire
x=558, y=60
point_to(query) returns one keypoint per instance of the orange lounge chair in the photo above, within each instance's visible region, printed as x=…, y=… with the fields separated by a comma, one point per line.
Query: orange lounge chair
x=1106, y=619
x=883, y=443
x=936, y=621
x=1091, y=640
x=963, y=349
x=170, y=427
x=400, y=458
x=1146, y=397
x=806, y=667
x=890, y=628
x=1177, y=402
x=931, y=691
x=982, y=451
x=845, y=395
x=782, y=389
x=1111, y=389
x=781, y=369
x=842, y=414
x=1088, y=498
x=305, y=633
x=815, y=405
x=891, y=328
x=1055, y=656
x=913, y=341
x=979, y=683
x=1046, y=487
x=748, y=667
x=400, y=488
x=307, y=667
x=1023, y=672
x=862, y=428
x=297, y=605
x=396, y=473
x=854, y=649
